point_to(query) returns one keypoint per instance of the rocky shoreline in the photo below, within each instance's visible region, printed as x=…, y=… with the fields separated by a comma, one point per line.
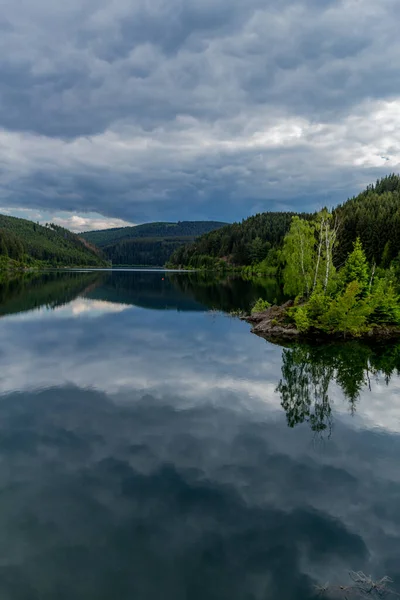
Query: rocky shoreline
x=272, y=324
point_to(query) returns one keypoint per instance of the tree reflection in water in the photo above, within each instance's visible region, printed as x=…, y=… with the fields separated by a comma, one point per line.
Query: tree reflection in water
x=308, y=370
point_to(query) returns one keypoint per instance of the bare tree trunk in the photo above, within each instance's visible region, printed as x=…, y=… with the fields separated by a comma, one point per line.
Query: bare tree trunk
x=319, y=255
x=328, y=256
x=302, y=266
x=372, y=277
x=330, y=238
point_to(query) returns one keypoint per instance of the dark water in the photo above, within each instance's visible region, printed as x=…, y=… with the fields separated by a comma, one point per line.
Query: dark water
x=153, y=448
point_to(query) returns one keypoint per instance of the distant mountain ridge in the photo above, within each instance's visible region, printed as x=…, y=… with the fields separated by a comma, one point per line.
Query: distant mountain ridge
x=24, y=242
x=150, y=244
x=104, y=237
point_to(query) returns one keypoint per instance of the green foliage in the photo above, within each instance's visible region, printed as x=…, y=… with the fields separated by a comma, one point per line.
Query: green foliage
x=385, y=303
x=257, y=250
x=267, y=267
x=301, y=318
x=317, y=305
x=374, y=216
x=32, y=244
x=356, y=267
x=347, y=313
x=357, y=308
x=143, y=251
x=260, y=306
x=308, y=315
x=386, y=255
x=308, y=254
x=299, y=257
x=10, y=245
x=240, y=244
x=8, y=264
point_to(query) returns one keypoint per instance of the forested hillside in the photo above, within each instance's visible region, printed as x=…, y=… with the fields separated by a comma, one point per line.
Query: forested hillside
x=26, y=242
x=242, y=243
x=149, y=244
x=373, y=216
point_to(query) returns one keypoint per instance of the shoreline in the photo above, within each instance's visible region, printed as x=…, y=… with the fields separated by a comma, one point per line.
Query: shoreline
x=271, y=324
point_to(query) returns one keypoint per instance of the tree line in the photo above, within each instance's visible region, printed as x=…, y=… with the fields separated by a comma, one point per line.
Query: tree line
x=240, y=244
x=143, y=252
x=373, y=216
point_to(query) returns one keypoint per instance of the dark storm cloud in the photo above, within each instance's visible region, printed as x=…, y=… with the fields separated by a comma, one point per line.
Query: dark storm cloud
x=152, y=109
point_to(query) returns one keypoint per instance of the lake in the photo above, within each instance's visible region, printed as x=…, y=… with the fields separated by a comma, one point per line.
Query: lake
x=152, y=447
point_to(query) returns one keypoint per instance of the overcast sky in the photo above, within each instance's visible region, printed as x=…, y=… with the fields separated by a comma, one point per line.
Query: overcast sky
x=140, y=110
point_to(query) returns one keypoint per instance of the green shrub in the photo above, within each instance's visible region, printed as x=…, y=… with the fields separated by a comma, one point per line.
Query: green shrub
x=347, y=313
x=298, y=299
x=301, y=319
x=260, y=306
x=385, y=303
x=317, y=305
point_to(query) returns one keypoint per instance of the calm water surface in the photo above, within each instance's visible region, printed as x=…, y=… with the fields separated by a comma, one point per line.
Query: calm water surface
x=151, y=447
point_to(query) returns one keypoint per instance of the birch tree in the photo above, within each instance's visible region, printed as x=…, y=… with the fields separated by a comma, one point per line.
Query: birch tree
x=319, y=230
x=330, y=236
x=326, y=229
x=307, y=251
x=299, y=256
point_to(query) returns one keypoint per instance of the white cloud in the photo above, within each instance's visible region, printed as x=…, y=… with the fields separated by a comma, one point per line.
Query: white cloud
x=73, y=222
x=78, y=223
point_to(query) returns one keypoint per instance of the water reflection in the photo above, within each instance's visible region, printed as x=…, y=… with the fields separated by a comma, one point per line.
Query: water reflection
x=156, y=290
x=32, y=291
x=310, y=375
x=227, y=293
x=145, y=453
x=309, y=370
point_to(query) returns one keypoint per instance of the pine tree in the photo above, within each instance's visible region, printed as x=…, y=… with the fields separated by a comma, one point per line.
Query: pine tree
x=356, y=267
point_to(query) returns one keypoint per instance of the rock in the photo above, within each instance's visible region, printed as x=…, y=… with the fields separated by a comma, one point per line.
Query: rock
x=271, y=323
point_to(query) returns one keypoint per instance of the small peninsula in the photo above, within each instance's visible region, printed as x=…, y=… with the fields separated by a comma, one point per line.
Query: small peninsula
x=354, y=300
x=339, y=270
x=273, y=324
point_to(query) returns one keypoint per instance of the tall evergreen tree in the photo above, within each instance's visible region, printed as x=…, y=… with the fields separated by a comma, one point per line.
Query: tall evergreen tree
x=356, y=267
